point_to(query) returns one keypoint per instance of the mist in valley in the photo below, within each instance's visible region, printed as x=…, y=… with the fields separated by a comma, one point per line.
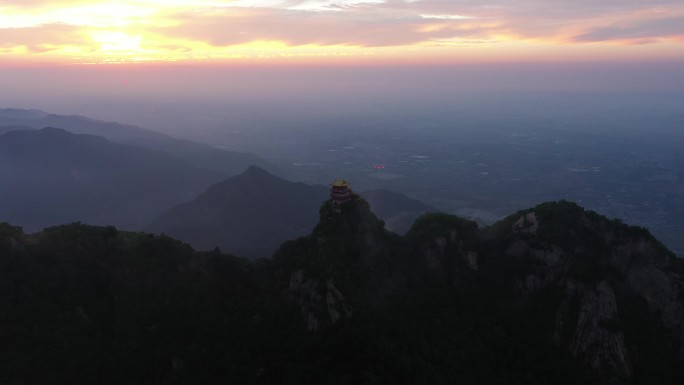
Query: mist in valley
x=341, y=192
x=476, y=141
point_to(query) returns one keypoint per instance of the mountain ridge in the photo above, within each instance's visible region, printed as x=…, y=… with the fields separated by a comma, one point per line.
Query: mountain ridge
x=258, y=208
x=553, y=294
x=578, y=269
x=200, y=155
x=52, y=176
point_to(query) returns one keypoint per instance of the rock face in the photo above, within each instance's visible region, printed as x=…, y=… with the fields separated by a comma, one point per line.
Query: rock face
x=347, y=254
x=598, y=276
x=321, y=303
x=555, y=294
x=446, y=247
x=598, y=265
x=664, y=294
x=593, y=336
x=527, y=223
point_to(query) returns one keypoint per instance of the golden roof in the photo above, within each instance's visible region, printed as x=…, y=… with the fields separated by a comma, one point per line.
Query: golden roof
x=340, y=183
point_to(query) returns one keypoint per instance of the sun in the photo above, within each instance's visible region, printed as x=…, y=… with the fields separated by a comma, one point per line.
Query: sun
x=117, y=42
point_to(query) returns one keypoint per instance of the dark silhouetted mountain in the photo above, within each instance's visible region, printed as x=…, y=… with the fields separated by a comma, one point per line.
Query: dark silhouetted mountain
x=17, y=113
x=397, y=210
x=51, y=176
x=534, y=298
x=610, y=294
x=253, y=213
x=551, y=295
x=250, y=214
x=6, y=129
x=77, y=124
x=200, y=155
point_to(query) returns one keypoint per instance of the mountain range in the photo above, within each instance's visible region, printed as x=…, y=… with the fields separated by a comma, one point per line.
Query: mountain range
x=251, y=214
x=100, y=172
x=51, y=176
x=554, y=294
x=200, y=155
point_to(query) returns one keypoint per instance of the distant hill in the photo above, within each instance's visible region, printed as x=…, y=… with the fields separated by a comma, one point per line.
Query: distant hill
x=77, y=124
x=253, y=213
x=397, y=210
x=250, y=214
x=6, y=129
x=200, y=155
x=51, y=176
x=17, y=113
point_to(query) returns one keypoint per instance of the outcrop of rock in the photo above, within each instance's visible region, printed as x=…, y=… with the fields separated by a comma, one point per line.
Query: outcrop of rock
x=600, y=266
x=446, y=247
x=555, y=294
x=347, y=260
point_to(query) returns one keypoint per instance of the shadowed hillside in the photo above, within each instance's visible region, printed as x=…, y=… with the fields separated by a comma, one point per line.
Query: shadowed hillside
x=200, y=155
x=253, y=213
x=555, y=294
x=51, y=176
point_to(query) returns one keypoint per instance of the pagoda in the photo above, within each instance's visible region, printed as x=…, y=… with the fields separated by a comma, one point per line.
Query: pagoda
x=340, y=192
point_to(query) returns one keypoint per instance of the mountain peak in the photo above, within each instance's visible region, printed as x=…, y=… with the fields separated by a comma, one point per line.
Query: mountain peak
x=256, y=171
x=46, y=133
x=17, y=113
x=54, y=130
x=250, y=214
x=365, y=300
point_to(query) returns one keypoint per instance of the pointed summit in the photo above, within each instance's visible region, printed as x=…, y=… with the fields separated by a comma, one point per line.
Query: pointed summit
x=256, y=171
x=250, y=214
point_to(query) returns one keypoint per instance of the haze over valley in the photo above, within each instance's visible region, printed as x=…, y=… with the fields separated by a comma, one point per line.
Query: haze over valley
x=377, y=192
x=618, y=154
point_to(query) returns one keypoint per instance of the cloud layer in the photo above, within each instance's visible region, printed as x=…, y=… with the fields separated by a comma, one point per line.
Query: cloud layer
x=184, y=29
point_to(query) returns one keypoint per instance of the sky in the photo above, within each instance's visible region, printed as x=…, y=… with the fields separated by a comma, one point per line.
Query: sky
x=161, y=62
x=73, y=32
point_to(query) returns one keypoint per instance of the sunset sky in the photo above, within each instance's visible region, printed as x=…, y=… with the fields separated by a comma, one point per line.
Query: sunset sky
x=340, y=31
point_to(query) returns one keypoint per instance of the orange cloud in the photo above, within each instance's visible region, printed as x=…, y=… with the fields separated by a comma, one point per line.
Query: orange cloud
x=142, y=30
x=44, y=38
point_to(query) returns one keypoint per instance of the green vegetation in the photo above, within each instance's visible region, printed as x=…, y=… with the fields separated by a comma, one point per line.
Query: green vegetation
x=85, y=304
x=432, y=225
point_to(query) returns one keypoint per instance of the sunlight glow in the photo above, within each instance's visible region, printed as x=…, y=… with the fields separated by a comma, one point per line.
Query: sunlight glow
x=179, y=30
x=104, y=15
x=447, y=17
x=117, y=42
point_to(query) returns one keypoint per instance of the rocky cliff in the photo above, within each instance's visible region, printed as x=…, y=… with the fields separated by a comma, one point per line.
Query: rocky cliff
x=600, y=284
x=554, y=294
x=610, y=276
